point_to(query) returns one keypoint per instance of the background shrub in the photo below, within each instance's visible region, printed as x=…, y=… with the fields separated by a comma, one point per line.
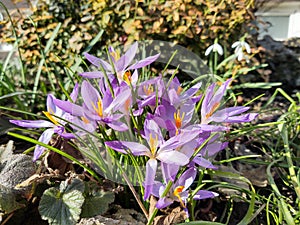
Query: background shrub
x=192, y=24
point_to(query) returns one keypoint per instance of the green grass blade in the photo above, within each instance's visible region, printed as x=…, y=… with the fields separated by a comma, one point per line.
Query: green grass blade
x=62, y=153
x=39, y=71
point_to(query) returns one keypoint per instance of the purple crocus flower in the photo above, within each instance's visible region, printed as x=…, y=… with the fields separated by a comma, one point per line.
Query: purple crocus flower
x=201, y=159
x=179, y=190
x=157, y=149
x=121, y=65
x=97, y=108
x=176, y=96
x=210, y=108
x=174, y=119
x=55, y=125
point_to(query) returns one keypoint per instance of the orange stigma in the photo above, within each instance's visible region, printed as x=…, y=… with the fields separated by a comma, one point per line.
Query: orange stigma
x=148, y=90
x=213, y=109
x=179, y=90
x=178, y=119
x=85, y=120
x=127, y=77
x=177, y=192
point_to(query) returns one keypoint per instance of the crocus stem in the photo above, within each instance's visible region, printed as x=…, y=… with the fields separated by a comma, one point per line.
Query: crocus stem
x=151, y=218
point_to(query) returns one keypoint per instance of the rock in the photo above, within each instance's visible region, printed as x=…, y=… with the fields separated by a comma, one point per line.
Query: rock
x=120, y=217
x=14, y=169
x=283, y=60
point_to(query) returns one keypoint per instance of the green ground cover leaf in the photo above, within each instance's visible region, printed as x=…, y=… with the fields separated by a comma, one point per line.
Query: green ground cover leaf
x=8, y=201
x=97, y=203
x=63, y=205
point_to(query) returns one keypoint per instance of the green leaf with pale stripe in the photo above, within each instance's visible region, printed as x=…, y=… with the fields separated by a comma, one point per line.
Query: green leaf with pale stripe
x=63, y=205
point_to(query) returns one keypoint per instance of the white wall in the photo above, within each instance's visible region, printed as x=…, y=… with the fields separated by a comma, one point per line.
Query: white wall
x=282, y=20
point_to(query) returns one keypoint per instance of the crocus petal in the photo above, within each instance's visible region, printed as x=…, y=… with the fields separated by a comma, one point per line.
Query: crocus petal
x=51, y=107
x=157, y=186
x=74, y=93
x=90, y=95
x=187, y=178
x=127, y=58
x=32, y=123
x=208, y=95
x=243, y=118
x=45, y=138
x=68, y=135
x=203, y=194
x=164, y=202
x=213, y=148
x=191, y=91
x=144, y=62
x=207, y=128
x=97, y=61
x=119, y=101
x=231, y=111
x=117, y=125
x=203, y=162
x=172, y=157
x=134, y=77
x=151, y=167
x=70, y=107
x=125, y=146
x=92, y=74
x=169, y=171
x=217, y=97
x=152, y=129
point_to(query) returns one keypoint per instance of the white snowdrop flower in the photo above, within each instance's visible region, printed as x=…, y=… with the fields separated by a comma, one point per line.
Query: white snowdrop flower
x=239, y=47
x=214, y=48
x=1, y=17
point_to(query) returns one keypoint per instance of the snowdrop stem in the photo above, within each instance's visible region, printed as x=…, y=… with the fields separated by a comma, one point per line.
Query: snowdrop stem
x=151, y=218
x=215, y=62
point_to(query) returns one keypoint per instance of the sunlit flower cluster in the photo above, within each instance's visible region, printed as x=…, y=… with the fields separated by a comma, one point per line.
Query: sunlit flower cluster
x=168, y=129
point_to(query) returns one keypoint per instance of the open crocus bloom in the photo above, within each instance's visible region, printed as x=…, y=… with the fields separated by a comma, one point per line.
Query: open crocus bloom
x=97, y=108
x=121, y=65
x=179, y=190
x=156, y=149
x=54, y=124
x=211, y=103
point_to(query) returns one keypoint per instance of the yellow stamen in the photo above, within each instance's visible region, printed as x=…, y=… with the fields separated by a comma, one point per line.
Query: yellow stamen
x=148, y=90
x=177, y=192
x=99, y=108
x=127, y=77
x=50, y=117
x=85, y=120
x=213, y=109
x=153, y=144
